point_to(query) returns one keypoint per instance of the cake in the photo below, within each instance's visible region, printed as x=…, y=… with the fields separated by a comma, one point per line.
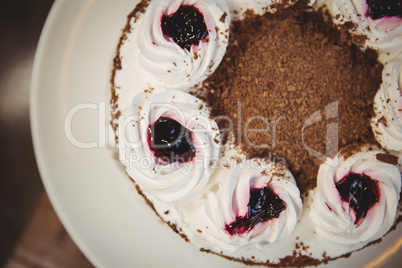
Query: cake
x=258, y=129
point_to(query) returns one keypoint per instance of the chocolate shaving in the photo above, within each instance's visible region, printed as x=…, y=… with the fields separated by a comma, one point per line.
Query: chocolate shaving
x=387, y=158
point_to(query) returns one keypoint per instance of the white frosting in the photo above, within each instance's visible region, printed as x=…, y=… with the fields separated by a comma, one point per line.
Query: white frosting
x=231, y=201
x=384, y=33
x=171, y=65
x=169, y=182
x=388, y=106
x=335, y=219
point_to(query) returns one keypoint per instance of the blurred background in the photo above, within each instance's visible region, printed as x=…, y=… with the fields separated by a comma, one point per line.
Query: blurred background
x=30, y=232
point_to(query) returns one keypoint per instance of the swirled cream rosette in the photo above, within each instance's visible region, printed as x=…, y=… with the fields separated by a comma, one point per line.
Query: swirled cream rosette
x=171, y=65
x=232, y=200
x=336, y=219
x=387, y=124
x=383, y=33
x=168, y=181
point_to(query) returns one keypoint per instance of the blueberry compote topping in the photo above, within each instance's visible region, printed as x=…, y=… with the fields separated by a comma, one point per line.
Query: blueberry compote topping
x=384, y=8
x=170, y=141
x=263, y=205
x=360, y=191
x=186, y=27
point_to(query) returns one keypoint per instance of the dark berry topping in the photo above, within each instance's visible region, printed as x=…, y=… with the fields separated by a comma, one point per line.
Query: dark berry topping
x=170, y=141
x=263, y=205
x=360, y=191
x=186, y=27
x=384, y=8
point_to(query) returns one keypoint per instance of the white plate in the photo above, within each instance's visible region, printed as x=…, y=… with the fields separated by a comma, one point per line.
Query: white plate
x=88, y=188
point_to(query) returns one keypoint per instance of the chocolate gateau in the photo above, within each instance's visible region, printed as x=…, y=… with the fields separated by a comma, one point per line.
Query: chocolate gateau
x=257, y=129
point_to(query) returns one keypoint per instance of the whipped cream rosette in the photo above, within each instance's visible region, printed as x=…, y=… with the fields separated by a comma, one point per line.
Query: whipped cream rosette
x=383, y=31
x=258, y=204
x=176, y=66
x=387, y=124
x=180, y=168
x=356, y=198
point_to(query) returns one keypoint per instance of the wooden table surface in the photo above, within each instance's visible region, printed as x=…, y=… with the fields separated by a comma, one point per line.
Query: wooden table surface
x=45, y=242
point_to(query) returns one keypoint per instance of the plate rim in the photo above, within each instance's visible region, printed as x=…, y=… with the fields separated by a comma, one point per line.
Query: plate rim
x=34, y=120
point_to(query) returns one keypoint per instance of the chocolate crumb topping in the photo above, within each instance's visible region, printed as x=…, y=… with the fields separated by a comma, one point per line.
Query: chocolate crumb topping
x=292, y=84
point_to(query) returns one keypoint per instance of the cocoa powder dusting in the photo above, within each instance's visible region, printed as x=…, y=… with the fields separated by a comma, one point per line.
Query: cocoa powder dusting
x=281, y=69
